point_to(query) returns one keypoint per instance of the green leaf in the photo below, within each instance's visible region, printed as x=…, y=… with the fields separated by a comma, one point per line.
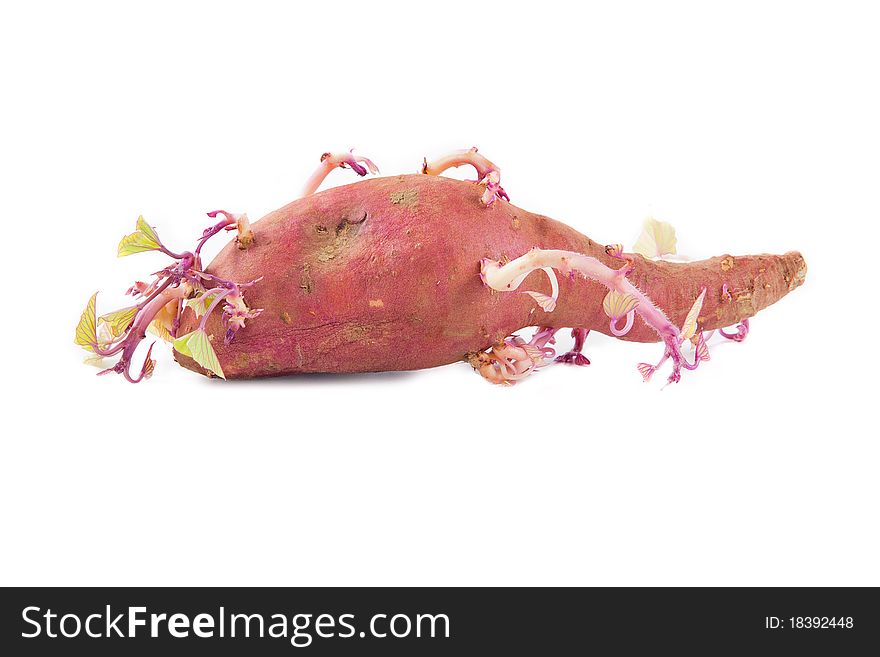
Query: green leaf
x=203, y=353
x=119, y=320
x=200, y=304
x=143, y=239
x=197, y=346
x=86, y=330
x=159, y=330
x=180, y=344
x=147, y=229
x=95, y=361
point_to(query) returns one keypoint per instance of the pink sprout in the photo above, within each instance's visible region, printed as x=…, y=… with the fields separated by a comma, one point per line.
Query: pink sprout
x=329, y=161
x=245, y=234
x=575, y=357
x=620, y=332
x=742, y=330
x=493, y=189
x=725, y=293
x=487, y=173
x=514, y=359
x=506, y=277
x=163, y=300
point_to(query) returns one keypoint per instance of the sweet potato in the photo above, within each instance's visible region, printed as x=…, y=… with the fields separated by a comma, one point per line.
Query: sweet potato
x=397, y=273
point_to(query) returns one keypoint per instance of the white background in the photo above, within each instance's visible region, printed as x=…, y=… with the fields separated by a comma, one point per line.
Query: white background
x=752, y=128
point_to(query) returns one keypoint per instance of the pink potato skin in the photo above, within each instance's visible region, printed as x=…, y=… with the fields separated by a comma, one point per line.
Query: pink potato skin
x=384, y=274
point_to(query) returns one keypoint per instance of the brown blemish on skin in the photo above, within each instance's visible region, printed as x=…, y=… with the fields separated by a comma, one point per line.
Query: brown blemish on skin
x=407, y=198
x=306, y=283
x=377, y=303
x=285, y=317
x=744, y=304
x=515, y=223
x=727, y=263
x=345, y=231
x=718, y=313
x=321, y=230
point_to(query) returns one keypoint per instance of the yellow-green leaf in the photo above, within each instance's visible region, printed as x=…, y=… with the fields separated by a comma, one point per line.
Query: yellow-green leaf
x=657, y=239
x=180, y=344
x=203, y=353
x=197, y=346
x=147, y=229
x=158, y=329
x=119, y=320
x=689, y=328
x=86, y=330
x=143, y=239
x=617, y=304
x=200, y=304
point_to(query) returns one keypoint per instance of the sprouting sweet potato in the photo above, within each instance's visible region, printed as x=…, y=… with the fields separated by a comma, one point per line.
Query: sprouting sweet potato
x=414, y=271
